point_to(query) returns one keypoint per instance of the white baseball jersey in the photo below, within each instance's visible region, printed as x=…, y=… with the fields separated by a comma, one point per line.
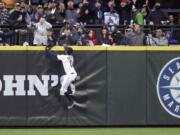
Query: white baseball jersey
x=67, y=61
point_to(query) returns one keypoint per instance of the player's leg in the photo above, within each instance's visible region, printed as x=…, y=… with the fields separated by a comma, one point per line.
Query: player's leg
x=62, y=79
x=72, y=86
x=64, y=84
x=73, y=89
x=66, y=81
x=70, y=95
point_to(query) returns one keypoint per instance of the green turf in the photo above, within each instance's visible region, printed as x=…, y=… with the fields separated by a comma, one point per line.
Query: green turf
x=93, y=131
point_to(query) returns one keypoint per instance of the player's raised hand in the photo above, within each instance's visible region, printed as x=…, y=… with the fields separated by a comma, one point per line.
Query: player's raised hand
x=47, y=48
x=65, y=46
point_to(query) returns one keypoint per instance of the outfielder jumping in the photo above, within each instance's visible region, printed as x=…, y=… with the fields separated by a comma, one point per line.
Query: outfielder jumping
x=70, y=76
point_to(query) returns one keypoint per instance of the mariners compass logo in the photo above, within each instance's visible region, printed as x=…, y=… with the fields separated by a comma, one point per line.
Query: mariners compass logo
x=168, y=87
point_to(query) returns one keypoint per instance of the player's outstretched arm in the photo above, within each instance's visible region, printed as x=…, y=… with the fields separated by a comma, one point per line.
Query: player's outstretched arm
x=50, y=53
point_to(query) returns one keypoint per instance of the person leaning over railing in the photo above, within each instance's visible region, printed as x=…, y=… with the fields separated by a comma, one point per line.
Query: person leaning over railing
x=78, y=34
x=91, y=39
x=51, y=38
x=159, y=39
x=170, y=37
x=65, y=34
x=41, y=32
x=107, y=39
x=4, y=35
x=136, y=36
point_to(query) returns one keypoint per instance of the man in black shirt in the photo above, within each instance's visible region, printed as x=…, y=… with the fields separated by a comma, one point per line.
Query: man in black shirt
x=17, y=18
x=157, y=16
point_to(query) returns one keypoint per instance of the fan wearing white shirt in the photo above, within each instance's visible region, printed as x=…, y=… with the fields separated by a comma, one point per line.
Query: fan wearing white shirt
x=41, y=32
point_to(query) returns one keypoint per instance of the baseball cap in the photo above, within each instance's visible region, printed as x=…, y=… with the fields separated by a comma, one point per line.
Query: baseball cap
x=123, y=1
x=17, y=4
x=77, y=24
x=69, y=50
x=70, y=1
x=158, y=30
x=39, y=6
x=99, y=1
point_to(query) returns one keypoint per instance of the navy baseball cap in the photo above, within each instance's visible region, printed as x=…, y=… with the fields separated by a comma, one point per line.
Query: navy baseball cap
x=69, y=50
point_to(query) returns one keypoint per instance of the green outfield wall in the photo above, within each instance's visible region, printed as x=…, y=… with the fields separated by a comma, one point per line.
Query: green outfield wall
x=117, y=86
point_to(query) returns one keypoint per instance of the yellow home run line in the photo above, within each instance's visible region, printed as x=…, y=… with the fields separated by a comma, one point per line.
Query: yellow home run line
x=93, y=48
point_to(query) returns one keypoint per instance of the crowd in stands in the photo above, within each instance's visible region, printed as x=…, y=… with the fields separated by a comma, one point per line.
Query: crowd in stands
x=74, y=15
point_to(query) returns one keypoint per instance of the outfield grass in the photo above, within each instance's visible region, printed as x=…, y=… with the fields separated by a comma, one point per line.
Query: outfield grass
x=93, y=131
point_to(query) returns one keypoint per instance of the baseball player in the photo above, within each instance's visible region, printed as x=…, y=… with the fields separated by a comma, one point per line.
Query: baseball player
x=70, y=76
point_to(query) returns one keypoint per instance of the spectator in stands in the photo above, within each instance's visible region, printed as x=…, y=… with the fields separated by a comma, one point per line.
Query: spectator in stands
x=5, y=35
x=104, y=36
x=35, y=1
x=76, y=2
x=120, y=38
x=75, y=35
x=111, y=18
x=111, y=40
x=171, y=20
x=178, y=19
x=138, y=16
x=24, y=12
x=45, y=1
x=135, y=37
x=17, y=18
x=66, y=29
x=85, y=14
x=79, y=35
x=23, y=4
x=157, y=16
x=99, y=12
x=158, y=40
x=145, y=12
x=65, y=35
x=124, y=12
x=41, y=32
x=46, y=8
x=39, y=13
x=138, y=4
x=170, y=38
x=61, y=13
x=91, y=39
x=4, y=14
x=52, y=12
x=51, y=37
x=30, y=15
x=71, y=13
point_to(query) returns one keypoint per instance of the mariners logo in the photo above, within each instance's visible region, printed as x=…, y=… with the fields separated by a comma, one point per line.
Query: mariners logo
x=168, y=87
